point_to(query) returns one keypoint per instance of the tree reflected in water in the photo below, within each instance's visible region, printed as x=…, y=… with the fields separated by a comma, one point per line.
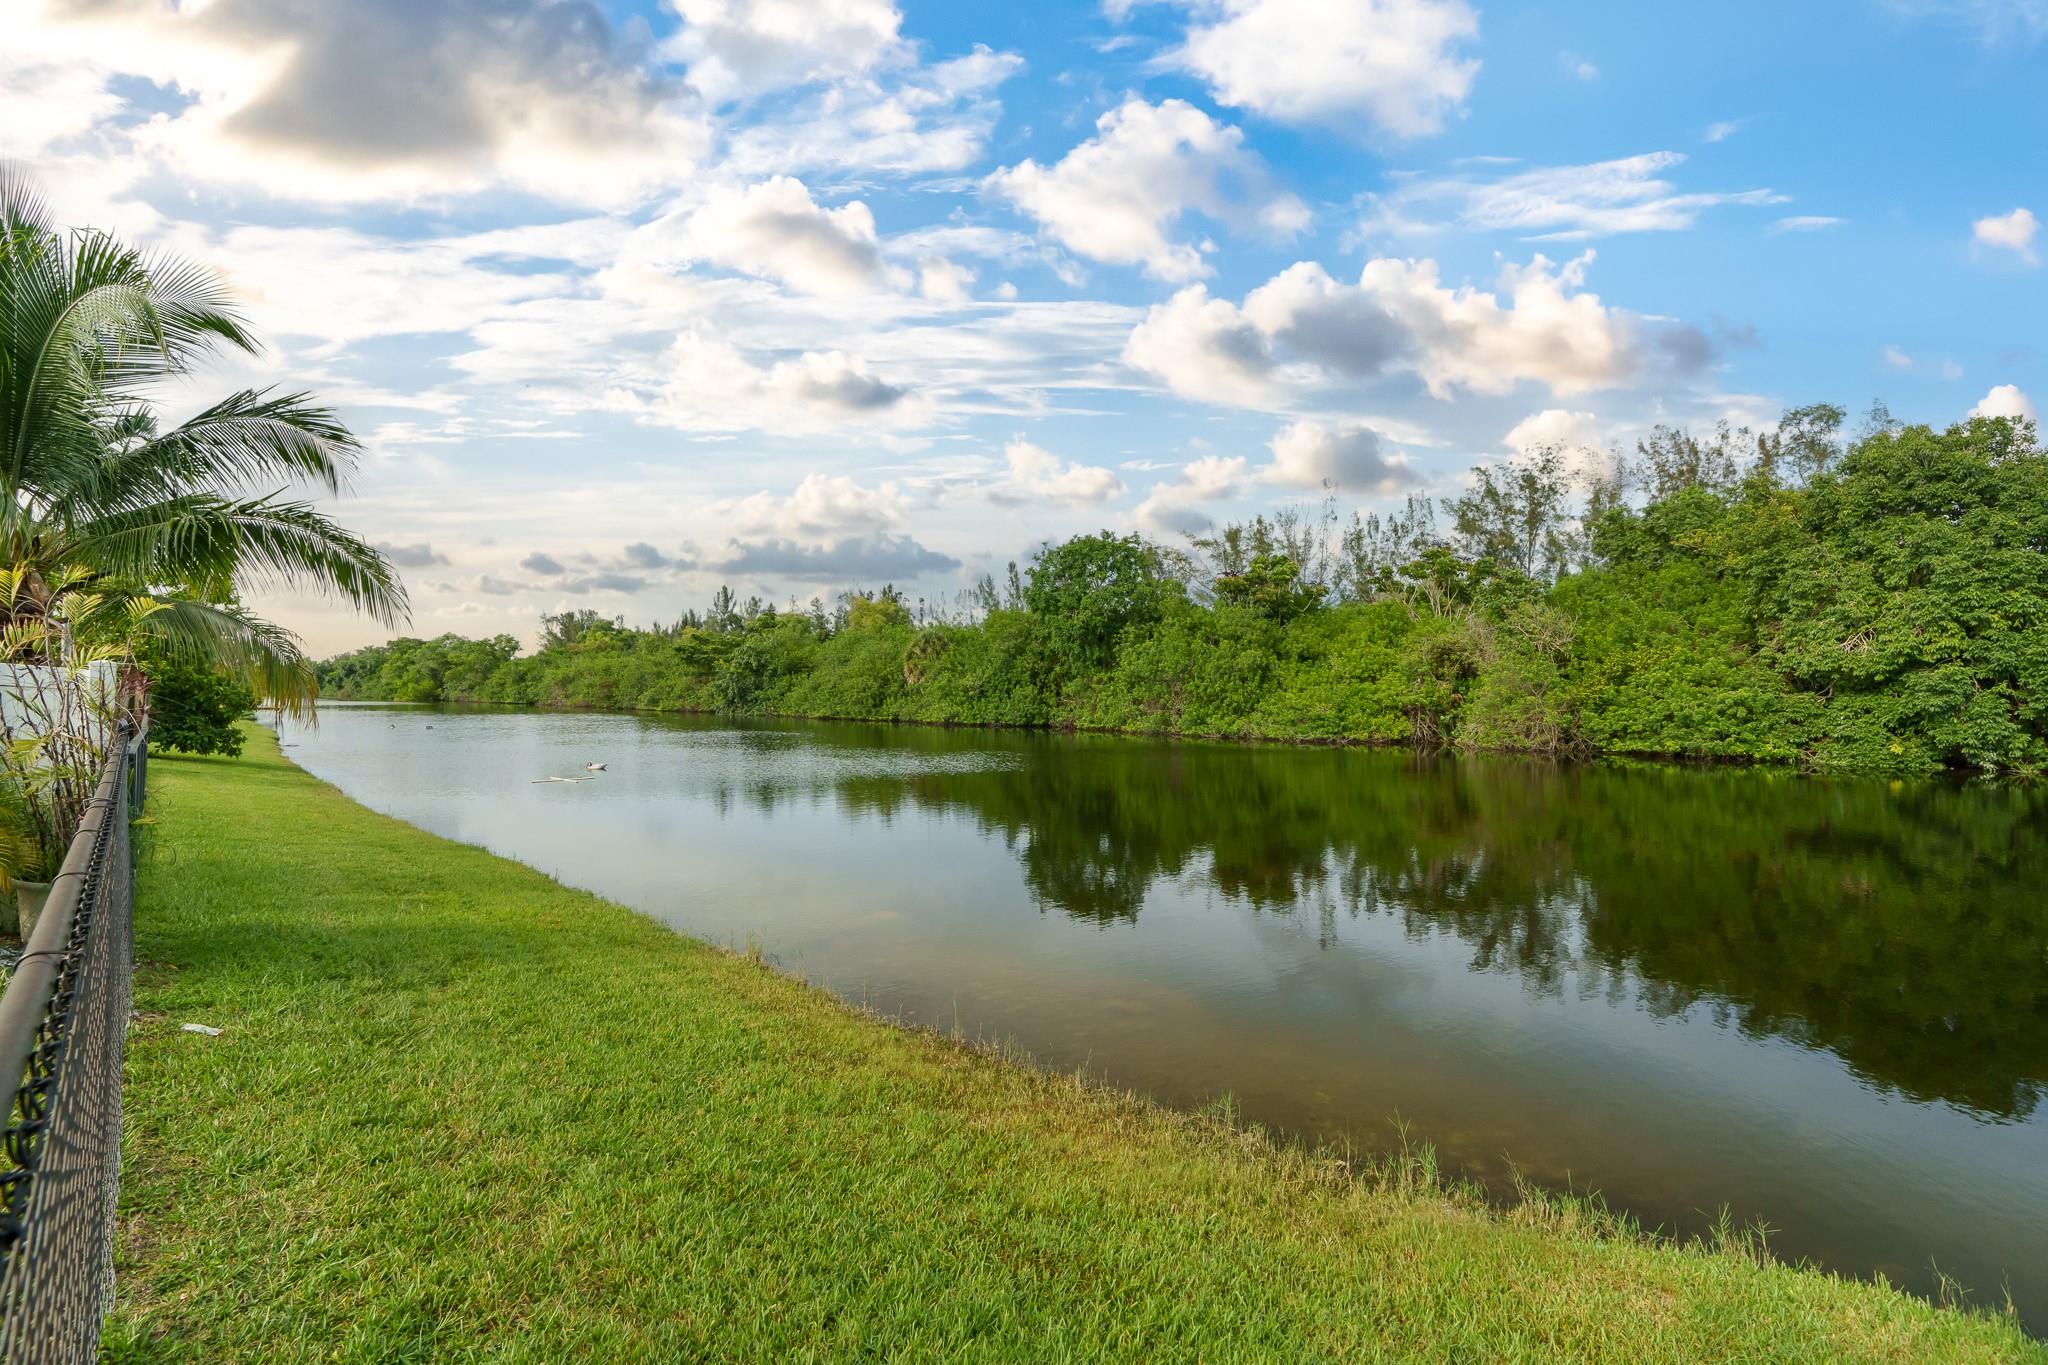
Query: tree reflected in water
x=1902, y=927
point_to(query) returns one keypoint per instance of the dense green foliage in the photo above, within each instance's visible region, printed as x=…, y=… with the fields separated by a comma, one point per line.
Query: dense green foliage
x=197, y=710
x=669, y=1153
x=1880, y=605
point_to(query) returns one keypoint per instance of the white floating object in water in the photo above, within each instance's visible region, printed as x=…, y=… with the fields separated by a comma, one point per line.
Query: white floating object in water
x=593, y=767
x=201, y=1028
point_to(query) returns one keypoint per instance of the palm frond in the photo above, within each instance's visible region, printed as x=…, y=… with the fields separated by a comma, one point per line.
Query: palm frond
x=266, y=654
x=247, y=438
x=85, y=320
x=260, y=542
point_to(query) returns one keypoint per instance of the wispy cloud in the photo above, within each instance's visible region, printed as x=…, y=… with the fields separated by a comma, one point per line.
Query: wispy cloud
x=1807, y=222
x=1602, y=198
x=1992, y=20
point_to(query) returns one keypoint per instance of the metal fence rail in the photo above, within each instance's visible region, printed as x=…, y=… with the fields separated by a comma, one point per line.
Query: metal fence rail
x=63, y=1031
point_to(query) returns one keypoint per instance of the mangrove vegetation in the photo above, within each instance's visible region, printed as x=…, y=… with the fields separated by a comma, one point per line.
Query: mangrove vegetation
x=1874, y=603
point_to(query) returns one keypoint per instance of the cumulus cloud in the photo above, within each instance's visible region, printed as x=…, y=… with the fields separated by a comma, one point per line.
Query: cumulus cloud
x=1575, y=434
x=777, y=230
x=944, y=281
x=1554, y=427
x=1116, y=197
x=542, y=563
x=851, y=558
x=1401, y=65
x=421, y=555
x=1602, y=198
x=1303, y=327
x=1205, y=348
x=2012, y=232
x=641, y=555
x=736, y=47
x=1174, y=506
x=1035, y=474
x=386, y=98
x=711, y=386
x=1348, y=457
x=822, y=505
x=2006, y=400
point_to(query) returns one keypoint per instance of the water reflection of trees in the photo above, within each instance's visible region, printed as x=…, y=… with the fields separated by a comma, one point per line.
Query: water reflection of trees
x=1904, y=929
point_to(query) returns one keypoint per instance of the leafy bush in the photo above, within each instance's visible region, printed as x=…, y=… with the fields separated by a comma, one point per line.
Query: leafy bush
x=1888, y=614
x=194, y=710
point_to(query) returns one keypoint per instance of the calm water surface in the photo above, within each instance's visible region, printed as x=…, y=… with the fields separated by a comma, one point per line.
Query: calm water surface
x=1823, y=1005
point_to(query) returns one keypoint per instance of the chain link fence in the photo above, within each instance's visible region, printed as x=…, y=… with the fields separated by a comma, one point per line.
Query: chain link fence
x=63, y=1031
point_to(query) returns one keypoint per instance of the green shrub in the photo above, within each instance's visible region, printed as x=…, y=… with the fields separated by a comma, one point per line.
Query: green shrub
x=194, y=710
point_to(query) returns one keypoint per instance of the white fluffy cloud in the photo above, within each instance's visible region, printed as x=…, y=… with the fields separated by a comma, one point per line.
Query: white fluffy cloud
x=735, y=47
x=2005, y=400
x=2012, y=232
x=1576, y=435
x=1116, y=197
x=1303, y=326
x=1350, y=458
x=1034, y=474
x=1554, y=427
x=776, y=230
x=1205, y=348
x=944, y=281
x=711, y=386
x=1175, y=505
x=1629, y=194
x=821, y=506
x=1402, y=65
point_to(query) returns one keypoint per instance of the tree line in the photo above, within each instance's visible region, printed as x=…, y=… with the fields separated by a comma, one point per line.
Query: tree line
x=1875, y=602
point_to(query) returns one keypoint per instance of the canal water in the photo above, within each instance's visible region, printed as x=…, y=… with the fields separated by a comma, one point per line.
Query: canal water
x=1818, y=1005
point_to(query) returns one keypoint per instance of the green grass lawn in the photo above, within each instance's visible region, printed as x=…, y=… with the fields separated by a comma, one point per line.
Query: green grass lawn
x=460, y=1112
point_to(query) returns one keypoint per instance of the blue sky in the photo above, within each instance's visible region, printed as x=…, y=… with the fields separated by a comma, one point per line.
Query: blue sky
x=627, y=301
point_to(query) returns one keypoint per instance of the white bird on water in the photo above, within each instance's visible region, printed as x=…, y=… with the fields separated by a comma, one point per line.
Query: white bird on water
x=593, y=767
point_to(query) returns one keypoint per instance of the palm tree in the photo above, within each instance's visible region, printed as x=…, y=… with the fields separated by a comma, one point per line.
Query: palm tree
x=90, y=480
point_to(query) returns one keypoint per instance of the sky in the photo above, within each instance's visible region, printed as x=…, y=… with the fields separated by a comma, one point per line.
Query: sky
x=630, y=300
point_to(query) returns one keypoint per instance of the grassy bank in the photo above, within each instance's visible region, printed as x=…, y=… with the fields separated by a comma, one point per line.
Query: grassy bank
x=460, y=1112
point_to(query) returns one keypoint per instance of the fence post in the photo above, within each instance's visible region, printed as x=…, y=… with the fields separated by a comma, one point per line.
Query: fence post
x=138, y=774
